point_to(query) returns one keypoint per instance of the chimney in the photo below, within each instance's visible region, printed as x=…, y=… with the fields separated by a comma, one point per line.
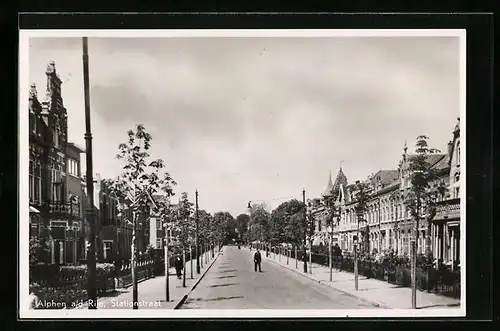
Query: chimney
x=33, y=93
x=450, y=148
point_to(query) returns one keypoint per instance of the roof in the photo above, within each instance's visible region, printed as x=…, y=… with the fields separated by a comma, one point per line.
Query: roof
x=385, y=177
x=441, y=163
x=77, y=147
x=329, y=187
x=341, y=179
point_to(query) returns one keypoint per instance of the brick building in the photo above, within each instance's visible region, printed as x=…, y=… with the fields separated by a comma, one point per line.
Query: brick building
x=52, y=214
x=386, y=222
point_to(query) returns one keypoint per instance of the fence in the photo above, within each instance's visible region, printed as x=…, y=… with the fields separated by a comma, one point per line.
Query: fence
x=441, y=281
x=145, y=268
x=65, y=286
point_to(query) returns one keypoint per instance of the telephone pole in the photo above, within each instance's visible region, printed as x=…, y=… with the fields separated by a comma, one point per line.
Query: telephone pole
x=305, y=227
x=91, y=267
x=196, y=239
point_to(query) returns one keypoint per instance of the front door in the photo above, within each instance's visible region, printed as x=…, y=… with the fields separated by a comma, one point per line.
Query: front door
x=58, y=251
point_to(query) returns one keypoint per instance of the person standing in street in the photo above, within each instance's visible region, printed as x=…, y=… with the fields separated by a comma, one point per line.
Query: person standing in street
x=179, y=266
x=257, y=259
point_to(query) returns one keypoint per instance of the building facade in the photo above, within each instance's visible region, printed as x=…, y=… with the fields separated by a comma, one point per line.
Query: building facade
x=113, y=230
x=387, y=223
x=52, y=214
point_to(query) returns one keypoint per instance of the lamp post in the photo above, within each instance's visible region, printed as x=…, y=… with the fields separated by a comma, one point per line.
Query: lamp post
x=356, y=243
x=91, y=263
x=304, y=258
x=196, y=238
x=167, y=266
x=309, y=230
x=355, y=262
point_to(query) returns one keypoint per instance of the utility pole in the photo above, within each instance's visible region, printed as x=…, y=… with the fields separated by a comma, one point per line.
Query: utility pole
x=413, y=252
x=167, y=265
x=360, y=216
x=330, y=255
x=304, y=257
x=91, y=267
x=196, y=238
x=191, y=259
x=379, y=228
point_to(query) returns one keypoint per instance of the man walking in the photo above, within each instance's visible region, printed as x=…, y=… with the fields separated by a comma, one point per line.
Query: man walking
x=257, y=260
x=179, y=265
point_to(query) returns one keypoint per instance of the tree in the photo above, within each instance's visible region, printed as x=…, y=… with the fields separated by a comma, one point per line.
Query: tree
x=140, y=179
x=242, y=221
x=259, y=222
x=294, y=228
x=185, y=228
x=419, y=198
x=39, y=250
x=362, y=196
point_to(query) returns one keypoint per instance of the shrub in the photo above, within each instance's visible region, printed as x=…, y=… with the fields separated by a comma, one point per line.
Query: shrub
x=39, y=250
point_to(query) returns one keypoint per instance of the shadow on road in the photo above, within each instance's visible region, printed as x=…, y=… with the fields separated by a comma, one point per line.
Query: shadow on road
x=220, y=298
x=221, y=277
x=221, y=285
x=231, y=270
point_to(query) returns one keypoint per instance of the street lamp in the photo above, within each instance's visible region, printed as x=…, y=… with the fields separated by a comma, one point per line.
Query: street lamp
x=355, y=239
x=91, y=262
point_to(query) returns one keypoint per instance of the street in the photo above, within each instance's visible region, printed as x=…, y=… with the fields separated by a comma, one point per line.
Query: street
x=232, y=283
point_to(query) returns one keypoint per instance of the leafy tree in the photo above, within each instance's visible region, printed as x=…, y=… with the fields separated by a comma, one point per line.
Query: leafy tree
x=39, y=250
x=242, y=221
x=141, y=178
x=420, y=197
x=185, y=226
x=362, y=197
x=259, y=222
x=219, y=226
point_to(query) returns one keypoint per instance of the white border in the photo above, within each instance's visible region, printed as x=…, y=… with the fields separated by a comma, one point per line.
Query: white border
x=24, y=82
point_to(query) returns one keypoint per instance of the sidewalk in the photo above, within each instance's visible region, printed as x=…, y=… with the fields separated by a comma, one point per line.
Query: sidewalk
x=151, y=292
x=374, y=291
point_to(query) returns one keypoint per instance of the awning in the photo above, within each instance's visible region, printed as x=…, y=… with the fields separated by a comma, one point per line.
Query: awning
x=34, y=210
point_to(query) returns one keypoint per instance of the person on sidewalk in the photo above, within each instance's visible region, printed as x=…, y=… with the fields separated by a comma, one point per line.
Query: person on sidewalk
x=179, y=266
x=257, y=259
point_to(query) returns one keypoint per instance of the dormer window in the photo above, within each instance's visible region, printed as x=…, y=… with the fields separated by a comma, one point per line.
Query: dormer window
x=56, y=137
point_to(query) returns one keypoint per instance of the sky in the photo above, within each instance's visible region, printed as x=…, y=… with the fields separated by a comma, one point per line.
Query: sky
x=258, y=119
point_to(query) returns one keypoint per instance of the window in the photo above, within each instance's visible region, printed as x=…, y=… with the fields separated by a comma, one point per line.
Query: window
x=72, y=166
x=107, y=249
x=56, y=185
x=158, y=224
x=32, y=183
x=458, y=152
x=37, y=183
x=158, y=243
x=56, y=137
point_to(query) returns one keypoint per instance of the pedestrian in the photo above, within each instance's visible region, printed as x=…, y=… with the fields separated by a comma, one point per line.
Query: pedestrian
x=257, y=259
x=178, y=266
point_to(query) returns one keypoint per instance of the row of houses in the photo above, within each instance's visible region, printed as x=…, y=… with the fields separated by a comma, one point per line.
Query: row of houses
x=388, y=221
x=57, y=188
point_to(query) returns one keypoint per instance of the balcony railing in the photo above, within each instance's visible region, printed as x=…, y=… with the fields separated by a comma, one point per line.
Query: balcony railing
x=58, y=208
x=448, y=208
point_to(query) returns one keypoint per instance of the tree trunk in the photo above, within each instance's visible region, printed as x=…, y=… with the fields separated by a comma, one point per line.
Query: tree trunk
x=191, y=260
x=134, y=262
x=167, y=266
x=184, y=271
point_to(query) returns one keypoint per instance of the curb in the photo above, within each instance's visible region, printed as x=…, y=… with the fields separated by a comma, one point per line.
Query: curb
x=183, y=299
x=375, y=303
x=119, y=289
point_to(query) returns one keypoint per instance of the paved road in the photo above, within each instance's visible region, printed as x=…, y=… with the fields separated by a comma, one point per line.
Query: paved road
x=231, y=283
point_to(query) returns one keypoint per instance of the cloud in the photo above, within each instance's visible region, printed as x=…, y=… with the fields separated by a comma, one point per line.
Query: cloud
x=259, y=118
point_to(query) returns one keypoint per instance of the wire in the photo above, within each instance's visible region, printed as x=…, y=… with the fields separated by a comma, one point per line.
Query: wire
x=274, y=199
